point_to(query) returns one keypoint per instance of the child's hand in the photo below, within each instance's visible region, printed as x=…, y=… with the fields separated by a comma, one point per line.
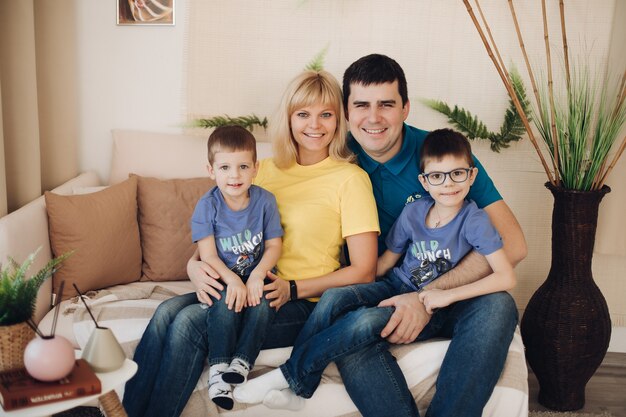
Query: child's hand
x=236, y=295
x=434, y=299
x=255, y=289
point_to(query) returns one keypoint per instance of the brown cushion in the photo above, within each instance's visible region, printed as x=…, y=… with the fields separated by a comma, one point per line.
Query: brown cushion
x=165, y=209
x=102, y=230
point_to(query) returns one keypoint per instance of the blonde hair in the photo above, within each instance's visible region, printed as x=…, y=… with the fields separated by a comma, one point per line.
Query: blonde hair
x=308, y=89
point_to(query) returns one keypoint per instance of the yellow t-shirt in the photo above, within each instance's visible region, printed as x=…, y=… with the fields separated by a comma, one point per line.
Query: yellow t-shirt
x=319, y=206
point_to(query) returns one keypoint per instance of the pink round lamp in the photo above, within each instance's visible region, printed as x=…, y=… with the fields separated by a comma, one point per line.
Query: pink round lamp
x=49, y=358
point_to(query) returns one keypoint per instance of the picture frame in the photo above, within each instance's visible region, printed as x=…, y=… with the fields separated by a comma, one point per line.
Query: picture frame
x=146, y=12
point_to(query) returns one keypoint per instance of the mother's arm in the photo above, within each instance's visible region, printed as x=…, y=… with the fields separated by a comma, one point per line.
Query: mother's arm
x=363, y=248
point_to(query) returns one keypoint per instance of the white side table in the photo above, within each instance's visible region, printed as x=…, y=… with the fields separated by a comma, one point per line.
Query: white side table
x=108, y=398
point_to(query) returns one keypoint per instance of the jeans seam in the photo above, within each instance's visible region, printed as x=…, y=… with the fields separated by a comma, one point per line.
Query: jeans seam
x=179, y=408
x=384, y=346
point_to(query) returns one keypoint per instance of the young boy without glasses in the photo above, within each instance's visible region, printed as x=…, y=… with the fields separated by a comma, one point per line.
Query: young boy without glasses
x=237, y=228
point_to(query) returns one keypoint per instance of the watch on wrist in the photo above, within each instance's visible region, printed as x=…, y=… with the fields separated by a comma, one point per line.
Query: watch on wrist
x=293, y=290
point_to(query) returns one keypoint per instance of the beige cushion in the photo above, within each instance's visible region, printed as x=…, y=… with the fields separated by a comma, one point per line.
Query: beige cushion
x=102, y=230
x=165, y=209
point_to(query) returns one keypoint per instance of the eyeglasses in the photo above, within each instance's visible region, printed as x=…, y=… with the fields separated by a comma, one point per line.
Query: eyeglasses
x=456, y=175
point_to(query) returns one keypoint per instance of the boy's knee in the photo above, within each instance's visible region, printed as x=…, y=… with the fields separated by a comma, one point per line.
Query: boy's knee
x=371, y=320
x=335, y=296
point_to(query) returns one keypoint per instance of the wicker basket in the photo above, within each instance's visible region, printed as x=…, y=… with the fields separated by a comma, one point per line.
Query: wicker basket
x=13, y=341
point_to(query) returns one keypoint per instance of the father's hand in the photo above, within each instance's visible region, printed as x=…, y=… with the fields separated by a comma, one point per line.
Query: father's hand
x=408, y=319
x=205, y=279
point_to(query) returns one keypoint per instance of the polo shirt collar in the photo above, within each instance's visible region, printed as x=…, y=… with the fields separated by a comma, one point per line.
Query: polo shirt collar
x=396, y=164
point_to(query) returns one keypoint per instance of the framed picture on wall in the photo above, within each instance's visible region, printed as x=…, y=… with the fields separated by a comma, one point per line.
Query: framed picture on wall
x=145, y=12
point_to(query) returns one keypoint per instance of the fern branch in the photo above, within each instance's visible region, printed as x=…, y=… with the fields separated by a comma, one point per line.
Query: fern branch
x=512, y=128
x=317, y=63
x=247, y=122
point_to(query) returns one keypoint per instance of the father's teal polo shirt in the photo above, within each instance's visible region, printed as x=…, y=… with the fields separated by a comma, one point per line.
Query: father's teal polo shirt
x=395, y=181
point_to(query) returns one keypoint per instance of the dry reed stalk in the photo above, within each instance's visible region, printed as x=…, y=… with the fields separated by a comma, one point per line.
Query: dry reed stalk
x=493, y=42
x=523, y=48
x=510, y=90
x=621, y=94
x=563, y=32
x=555, y=143
x=616, y=157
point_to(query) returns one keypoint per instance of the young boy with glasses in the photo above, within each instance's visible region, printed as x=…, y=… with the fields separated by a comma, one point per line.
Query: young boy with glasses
x=433, y=233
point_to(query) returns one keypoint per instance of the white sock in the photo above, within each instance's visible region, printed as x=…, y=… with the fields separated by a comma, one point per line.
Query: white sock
x=284, y=399
x=255, y=390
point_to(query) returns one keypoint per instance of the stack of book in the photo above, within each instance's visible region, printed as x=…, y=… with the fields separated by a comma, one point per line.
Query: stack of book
x=19, y=390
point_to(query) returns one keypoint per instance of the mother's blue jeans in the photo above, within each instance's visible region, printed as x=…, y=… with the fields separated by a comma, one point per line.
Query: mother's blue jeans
x=173, y=349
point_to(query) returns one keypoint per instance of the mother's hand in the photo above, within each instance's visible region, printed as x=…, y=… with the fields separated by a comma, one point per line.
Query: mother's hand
x=205, y=279
x=278, y=291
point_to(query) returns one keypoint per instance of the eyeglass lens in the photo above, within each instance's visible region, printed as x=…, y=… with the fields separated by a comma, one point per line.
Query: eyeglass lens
x=457, y=175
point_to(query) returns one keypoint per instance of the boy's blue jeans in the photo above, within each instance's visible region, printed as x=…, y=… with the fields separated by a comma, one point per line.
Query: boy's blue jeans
x=344, y=321
x=237, y=335
x=481, y=330
x=172, y=352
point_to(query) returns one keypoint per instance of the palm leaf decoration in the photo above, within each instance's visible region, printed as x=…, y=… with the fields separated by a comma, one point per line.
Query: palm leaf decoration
x=512, y=128
x=249, y=122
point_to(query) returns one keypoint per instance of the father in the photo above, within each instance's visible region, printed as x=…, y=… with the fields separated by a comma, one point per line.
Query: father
x=481, y=329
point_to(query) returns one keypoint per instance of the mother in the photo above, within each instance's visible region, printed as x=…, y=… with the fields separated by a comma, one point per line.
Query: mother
x=324, y=201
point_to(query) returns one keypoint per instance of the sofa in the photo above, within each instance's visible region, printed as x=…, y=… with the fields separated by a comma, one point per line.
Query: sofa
x=131, y=241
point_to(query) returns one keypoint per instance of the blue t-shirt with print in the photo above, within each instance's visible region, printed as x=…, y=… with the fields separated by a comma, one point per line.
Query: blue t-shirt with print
x=431, y=252
x=395, y=182
x=239, y=235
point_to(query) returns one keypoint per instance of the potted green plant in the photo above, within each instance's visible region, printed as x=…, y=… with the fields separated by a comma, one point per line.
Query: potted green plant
x=18, y=295
x=566, y=325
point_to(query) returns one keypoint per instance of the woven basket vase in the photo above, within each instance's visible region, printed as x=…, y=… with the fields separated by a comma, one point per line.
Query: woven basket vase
x=13, y=341
x=566, y=326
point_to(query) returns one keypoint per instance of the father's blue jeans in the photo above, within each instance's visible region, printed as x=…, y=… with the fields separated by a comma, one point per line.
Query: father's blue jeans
x=173, y=349
x=480, y=329
x=237, y=335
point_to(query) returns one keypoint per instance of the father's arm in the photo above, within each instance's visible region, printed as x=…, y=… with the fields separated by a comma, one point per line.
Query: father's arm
x=410, y=315
x=474, y=266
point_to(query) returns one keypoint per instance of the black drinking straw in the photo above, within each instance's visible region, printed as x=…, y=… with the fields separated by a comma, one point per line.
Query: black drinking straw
x=86, y=306
x=33, y=326
x=57, y=308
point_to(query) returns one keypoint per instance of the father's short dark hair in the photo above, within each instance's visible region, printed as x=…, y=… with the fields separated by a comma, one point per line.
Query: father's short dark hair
x=445, y=142
x=374, y=69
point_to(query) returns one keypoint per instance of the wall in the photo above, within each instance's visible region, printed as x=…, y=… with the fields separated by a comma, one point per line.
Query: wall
x=130, y=77
x=138, y=77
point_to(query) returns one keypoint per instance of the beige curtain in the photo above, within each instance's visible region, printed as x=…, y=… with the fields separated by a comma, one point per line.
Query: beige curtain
x=38, y=99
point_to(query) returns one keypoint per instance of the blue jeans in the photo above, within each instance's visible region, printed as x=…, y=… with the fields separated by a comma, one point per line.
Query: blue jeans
x=480, y=329
x=237, y=335
x=173, y=348
x=344, y=321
